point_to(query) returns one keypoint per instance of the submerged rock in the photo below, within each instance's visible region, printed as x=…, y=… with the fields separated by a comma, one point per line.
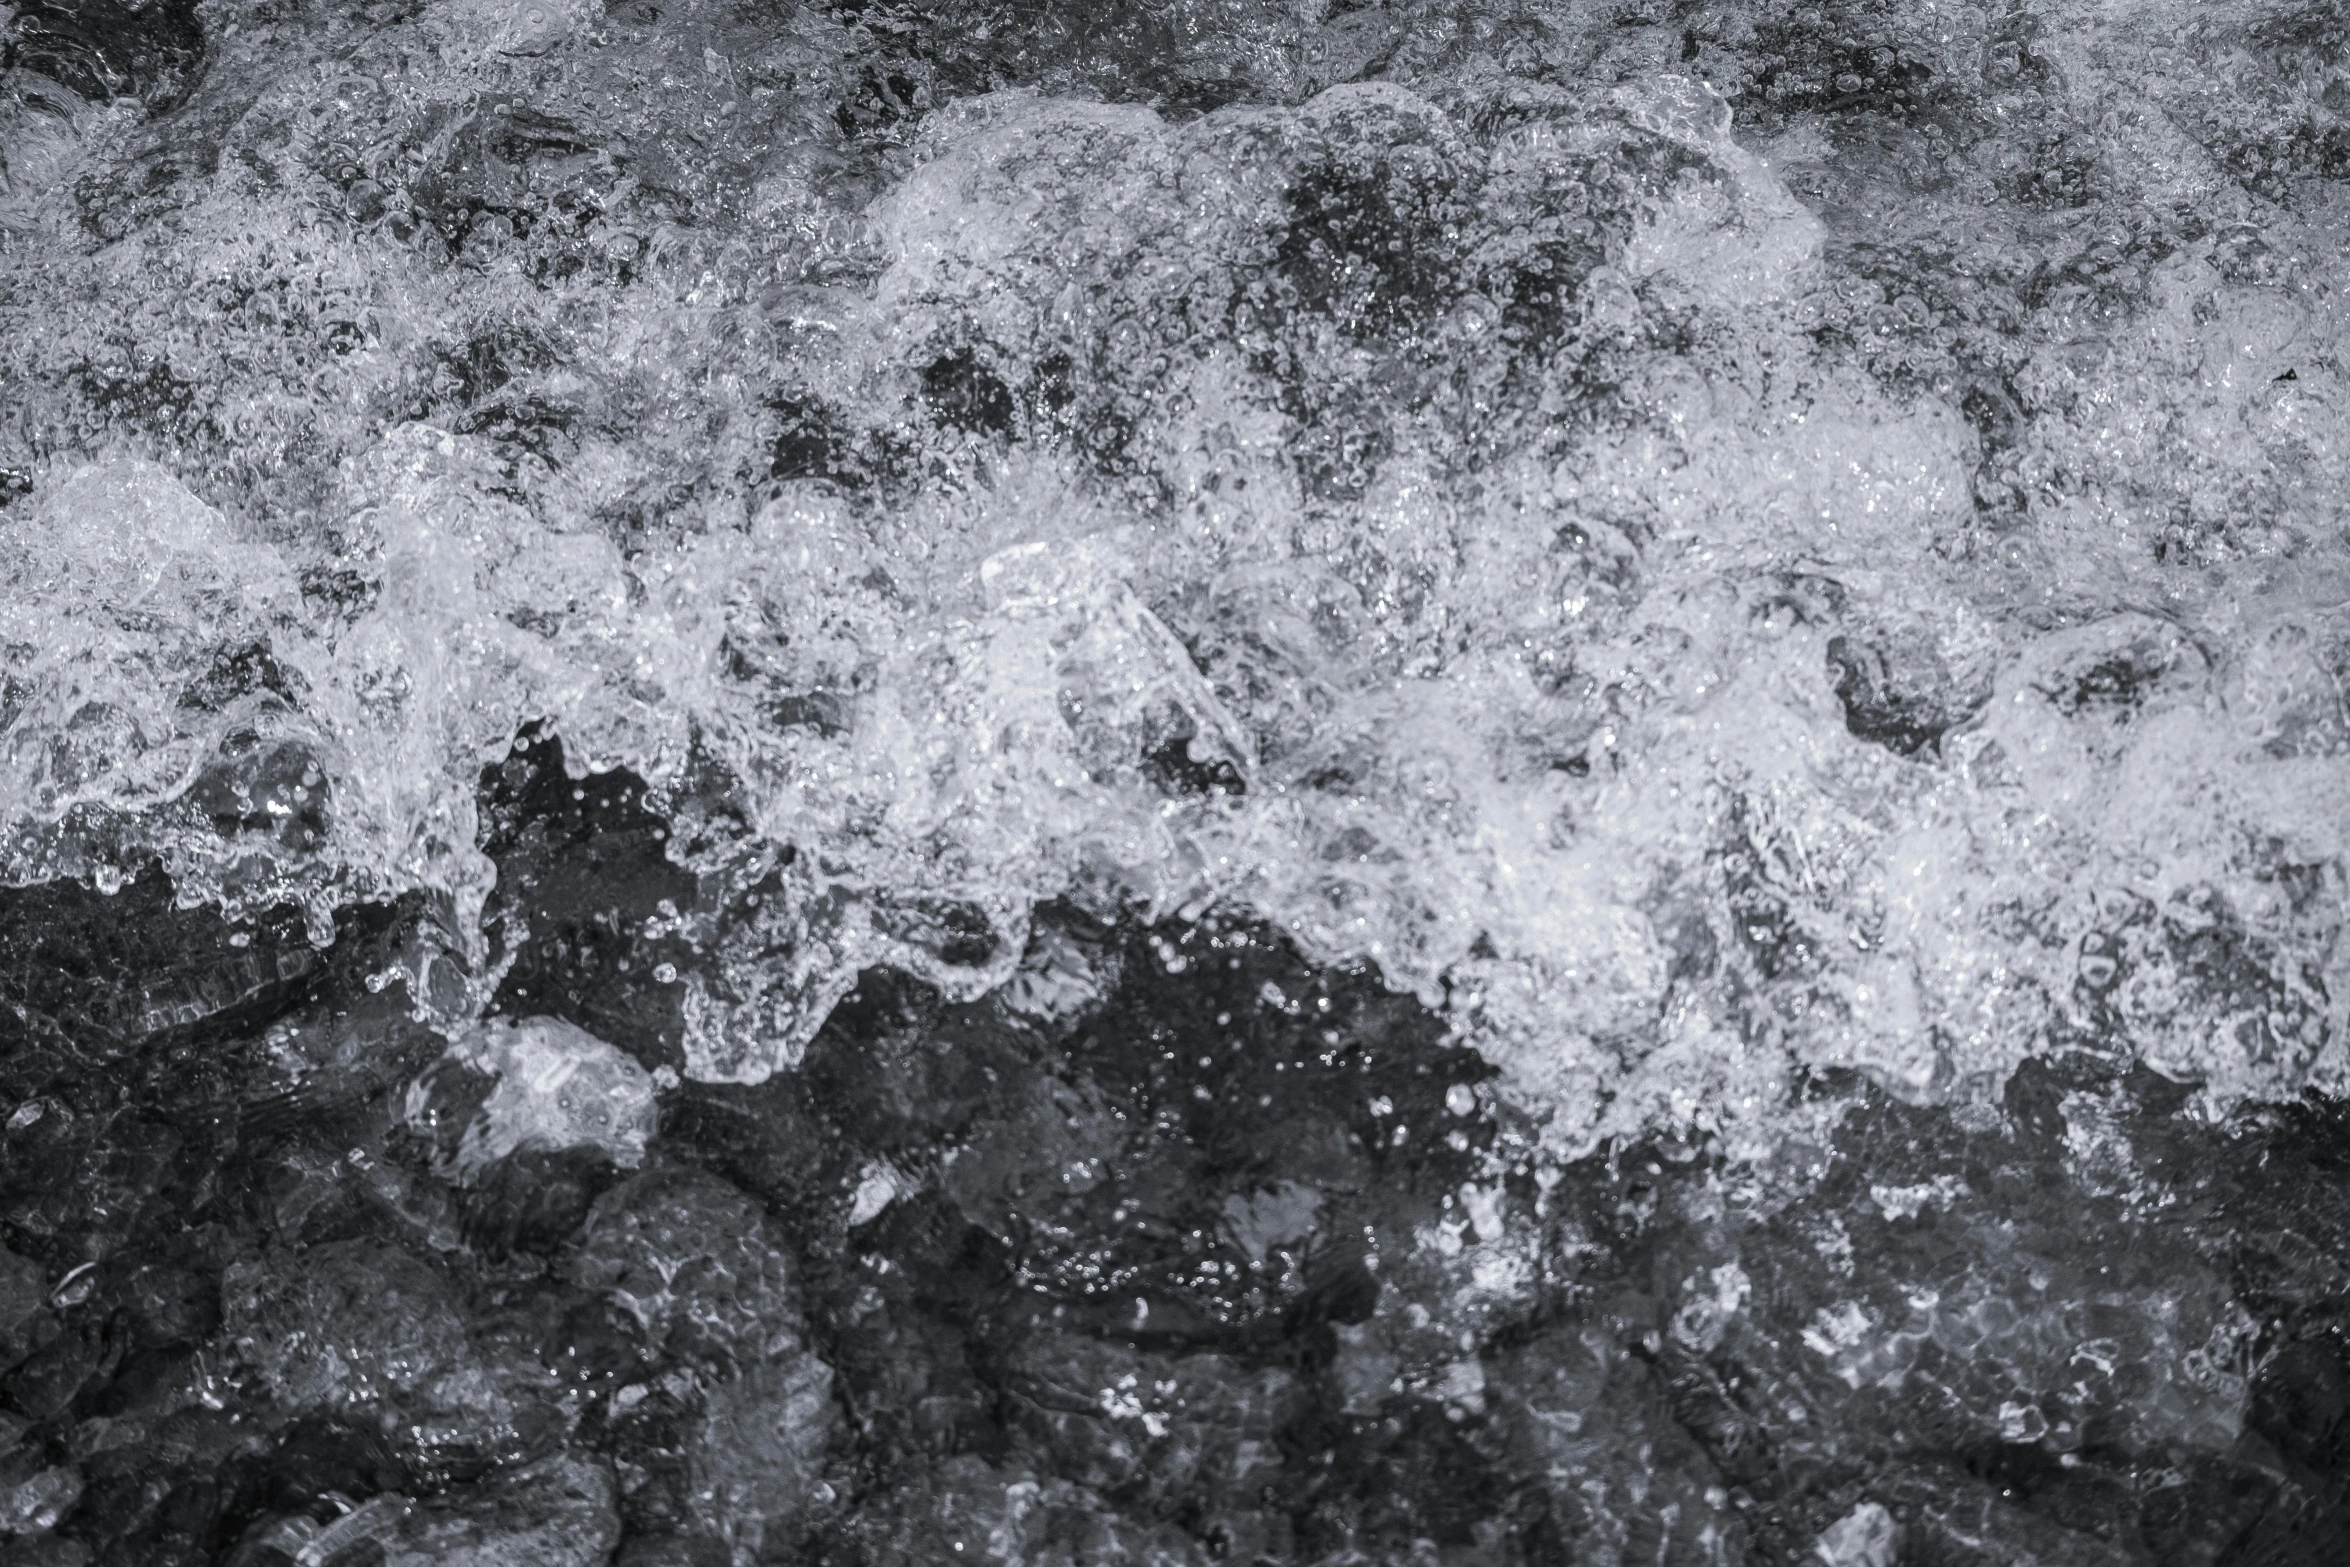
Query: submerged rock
x=554, y=1513
x=34, y=1503
x=755, y=1467
x=351, y=1325
x=698, y=1265
x=553, y=1088
x=24, y=1285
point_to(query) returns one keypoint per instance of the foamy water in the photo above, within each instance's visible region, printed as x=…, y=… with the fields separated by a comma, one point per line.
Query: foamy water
x=1499, y=533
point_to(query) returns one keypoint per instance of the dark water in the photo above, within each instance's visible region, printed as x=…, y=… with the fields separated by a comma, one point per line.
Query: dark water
x=1517, y=783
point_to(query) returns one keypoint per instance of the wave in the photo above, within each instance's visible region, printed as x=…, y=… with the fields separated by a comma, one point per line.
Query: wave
x=1498, y=536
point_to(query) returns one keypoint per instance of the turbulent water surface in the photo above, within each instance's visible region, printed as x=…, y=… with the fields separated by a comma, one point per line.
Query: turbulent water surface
x=1513, y=781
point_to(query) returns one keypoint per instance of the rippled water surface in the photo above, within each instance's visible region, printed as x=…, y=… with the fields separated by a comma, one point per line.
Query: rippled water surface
x=1176, y=779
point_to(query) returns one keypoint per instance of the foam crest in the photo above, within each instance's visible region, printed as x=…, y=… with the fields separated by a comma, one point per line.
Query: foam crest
x=1450, y=530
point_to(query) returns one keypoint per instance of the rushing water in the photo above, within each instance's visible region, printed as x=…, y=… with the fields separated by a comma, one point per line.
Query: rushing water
x=1480, y=519
x=1716, y=550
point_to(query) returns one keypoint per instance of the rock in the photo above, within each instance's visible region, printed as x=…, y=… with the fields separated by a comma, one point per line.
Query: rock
x=69, y=1357
x=24, y=1284
x=36, y=1502
x=366, y=1333
x=318, y=1457
x=2301, y=1402
x=756, y=1462
x=704, y=1275
x=1065, y=1135
x=346, y=1324
x=967, y=1509
x=1198, y=1431
x=673, y=1550
x=1060, y=977
x=697, y=1263
x=82, y=968
x=1864, y=1537
x=532, y=1202
x=300, y=1538
x=1897, y=691
x=1615, y=1458
x=554, y=1087
x=170, y=1305
x=587, y=899
x=558, y=1512
x=45, y=1550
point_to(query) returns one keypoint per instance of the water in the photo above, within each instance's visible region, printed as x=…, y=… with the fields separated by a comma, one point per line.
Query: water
x=1749, y=563
x=1489, y=525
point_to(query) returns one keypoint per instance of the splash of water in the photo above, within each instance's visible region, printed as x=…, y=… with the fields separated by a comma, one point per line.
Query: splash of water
x=1433, y=523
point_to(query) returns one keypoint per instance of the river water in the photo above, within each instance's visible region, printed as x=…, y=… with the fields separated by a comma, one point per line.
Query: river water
x=1721, y=569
